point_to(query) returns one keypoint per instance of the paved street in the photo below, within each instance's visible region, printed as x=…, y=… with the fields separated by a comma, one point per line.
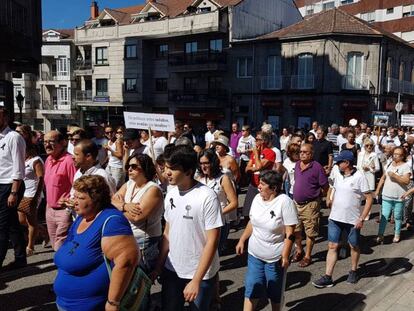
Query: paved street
x=384, y=266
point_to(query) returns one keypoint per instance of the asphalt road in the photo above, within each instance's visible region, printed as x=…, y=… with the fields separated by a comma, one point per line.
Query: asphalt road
x=30, y=288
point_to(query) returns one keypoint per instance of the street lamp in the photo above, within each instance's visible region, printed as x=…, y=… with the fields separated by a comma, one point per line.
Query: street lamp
x=19, y=100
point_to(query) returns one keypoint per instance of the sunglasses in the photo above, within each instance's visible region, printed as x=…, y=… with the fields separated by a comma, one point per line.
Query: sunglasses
x=110, y=132
x=134, y=167
x=120, y=132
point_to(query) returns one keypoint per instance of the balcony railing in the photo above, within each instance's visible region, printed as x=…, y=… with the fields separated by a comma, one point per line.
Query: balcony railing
x=399, y=86
x=271, y=83
x=83, y=96
x=355, y=82
x=197, y=95
x=54, y=76
x=83, y=64
x=196, y=58
x=302, y=82
x=56, y=105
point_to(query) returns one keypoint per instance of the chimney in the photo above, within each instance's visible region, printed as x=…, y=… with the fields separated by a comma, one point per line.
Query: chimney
x=94, y=10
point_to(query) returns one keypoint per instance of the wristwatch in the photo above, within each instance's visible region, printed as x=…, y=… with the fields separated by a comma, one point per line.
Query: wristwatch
x=114, y=303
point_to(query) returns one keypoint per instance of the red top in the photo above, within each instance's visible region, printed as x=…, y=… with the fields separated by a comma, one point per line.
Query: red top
x=267, y=154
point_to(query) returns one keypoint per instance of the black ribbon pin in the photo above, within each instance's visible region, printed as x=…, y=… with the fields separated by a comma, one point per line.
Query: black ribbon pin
x=172, y=203
x=2, y=147
x=272, y=214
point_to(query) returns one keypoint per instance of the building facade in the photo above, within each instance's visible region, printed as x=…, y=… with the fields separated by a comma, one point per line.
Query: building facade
x=167, y=56
x=394, y=16
x=20, y=42
x=330, y=67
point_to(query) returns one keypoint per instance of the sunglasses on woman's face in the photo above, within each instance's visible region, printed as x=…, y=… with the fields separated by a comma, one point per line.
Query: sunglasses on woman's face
x=134, y=167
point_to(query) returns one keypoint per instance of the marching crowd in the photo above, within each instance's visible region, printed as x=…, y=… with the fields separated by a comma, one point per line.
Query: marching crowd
x=115, y=199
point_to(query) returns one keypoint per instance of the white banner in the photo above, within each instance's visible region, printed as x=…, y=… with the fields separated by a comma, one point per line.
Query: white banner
x=407, y=120
x=144, y=121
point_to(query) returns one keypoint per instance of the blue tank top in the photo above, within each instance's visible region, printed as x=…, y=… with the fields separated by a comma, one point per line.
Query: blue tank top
x=82, y=281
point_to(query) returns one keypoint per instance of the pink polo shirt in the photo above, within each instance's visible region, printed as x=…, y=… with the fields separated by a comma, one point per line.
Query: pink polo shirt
x=58, y=178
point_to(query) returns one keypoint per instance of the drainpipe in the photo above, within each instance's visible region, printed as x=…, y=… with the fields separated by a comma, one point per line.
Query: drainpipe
x=254, y=110
x=379, y=82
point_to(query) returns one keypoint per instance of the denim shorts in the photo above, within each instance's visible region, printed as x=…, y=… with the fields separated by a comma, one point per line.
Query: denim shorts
x=264, y=279
x=335, y=229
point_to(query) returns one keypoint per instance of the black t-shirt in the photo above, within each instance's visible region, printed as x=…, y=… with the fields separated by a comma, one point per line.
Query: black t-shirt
x=354, y=150
x=321, y=151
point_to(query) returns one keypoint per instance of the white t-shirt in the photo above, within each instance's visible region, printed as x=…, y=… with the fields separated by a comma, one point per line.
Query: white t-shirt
x=96, y=170
x=290, y=169
x=340, y=140
x=70, y=148
x=159, y=144
x=393, y=190
x=278, y=155
x=245, y=143
x=349, y=192
x=209, y=137
x=283, y=142
x=268, y=220
x=190, y=214
x=31, y=180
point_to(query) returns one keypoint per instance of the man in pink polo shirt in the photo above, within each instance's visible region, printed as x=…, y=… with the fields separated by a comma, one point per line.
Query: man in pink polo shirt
x=59, y=173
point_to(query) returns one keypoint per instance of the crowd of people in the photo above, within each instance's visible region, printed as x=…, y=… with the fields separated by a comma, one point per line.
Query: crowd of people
x=165, y=202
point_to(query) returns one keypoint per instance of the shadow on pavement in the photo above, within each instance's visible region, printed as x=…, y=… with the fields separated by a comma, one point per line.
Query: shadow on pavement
x=233, y=301
x=297, y=279
x=326, y=302
x=35, y=298
x=385, y=267
x=30, y=270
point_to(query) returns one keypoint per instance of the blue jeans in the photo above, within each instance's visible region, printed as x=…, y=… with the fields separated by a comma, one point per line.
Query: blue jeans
x=264, y=278
x=387, y=207
x=149, y=248
x=172, y=297
x=335, y=229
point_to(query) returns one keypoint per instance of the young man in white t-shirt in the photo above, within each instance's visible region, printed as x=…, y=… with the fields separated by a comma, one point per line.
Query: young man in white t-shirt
x=189, y=247
x=346, y=215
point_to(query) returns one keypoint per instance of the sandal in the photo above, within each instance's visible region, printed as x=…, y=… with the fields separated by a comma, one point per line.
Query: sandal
x=305, y=262
x=379, y=239
x=297, y=257
x=396, y=239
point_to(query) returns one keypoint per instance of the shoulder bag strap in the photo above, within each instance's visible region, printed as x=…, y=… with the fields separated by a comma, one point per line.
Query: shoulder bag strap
x=107, y=264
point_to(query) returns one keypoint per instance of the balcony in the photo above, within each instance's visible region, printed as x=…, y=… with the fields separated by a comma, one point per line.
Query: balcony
x=198, y=61
x=83, y=67
x=302, y=82
x=57, y=107
x=354, y=82
x=399, y=86
x=271, y=83
x=213, y=96
x=83, y=96
x=54, y=76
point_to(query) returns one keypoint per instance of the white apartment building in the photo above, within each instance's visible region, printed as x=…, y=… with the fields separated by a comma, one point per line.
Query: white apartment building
x=118, y=57
x=394, y=16
x=48, y=102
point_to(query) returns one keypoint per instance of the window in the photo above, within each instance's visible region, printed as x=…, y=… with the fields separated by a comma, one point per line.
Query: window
x=304, y=79
x=102, y=56
x=244, y=67
x=162, y=51
x=390, y=10
x=131, y=51
x=62, y=95
x=343, y=2
x=408, y=10
x=204, y=10
x=309, y=11
x=354, y=71
x=328, y=5
x=190, y=84
x=130, y=85
x=274, y=66
x=215, y=83
x=101, y=87
x=369, y=17
x=161, y=85
x=62, y=66
x=216, y=46
x=191, y=47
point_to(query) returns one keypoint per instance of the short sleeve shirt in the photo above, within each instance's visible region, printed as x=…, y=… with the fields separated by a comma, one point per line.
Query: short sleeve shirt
x=267, y=154
x=190, y=214
x=393, y=190
x=308, y=183
x=268, y=219
x=321, y=150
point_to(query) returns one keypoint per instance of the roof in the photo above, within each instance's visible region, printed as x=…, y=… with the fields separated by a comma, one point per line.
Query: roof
x=64, y=33
x=333, y=21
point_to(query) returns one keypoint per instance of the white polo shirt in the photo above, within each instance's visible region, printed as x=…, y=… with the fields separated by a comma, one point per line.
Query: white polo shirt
x=190, y=214
x=12, y=155
x=349, y=192
x=96, y=170
x=209, y=137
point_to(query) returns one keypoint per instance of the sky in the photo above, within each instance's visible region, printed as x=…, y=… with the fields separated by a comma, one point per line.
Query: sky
x=61, y=14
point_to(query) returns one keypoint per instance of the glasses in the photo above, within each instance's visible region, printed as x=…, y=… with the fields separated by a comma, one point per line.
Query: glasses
x=369, y=145
x=74, y=139
x=204, y=163
x=109, y=132
x=134, y=167
x=49, y=142
x=119, y=132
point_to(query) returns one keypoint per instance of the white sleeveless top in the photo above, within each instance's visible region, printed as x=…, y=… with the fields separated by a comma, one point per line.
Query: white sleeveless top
x=152, y=225
x=113, y=160
x=31, y=181
x=215, y=184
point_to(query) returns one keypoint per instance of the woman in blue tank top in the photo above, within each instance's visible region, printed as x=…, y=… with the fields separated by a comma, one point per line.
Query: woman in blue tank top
x=82, y=282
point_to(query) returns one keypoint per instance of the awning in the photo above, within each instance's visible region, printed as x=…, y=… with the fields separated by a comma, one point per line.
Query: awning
x=303, y=103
